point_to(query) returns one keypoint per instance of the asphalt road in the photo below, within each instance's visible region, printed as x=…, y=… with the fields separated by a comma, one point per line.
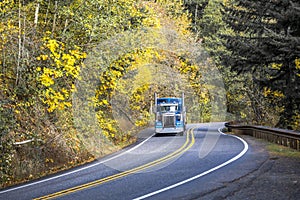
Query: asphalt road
x=166, y=167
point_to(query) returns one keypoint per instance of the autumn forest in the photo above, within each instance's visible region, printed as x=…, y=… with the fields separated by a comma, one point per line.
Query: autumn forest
x=77, y=77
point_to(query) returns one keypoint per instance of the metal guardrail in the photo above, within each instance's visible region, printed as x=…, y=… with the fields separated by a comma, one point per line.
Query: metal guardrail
x=283, y=137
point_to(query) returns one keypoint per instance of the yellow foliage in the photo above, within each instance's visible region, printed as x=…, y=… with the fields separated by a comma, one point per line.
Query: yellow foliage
x=6, y=5
x=7, y=30
x=243, y=115
x=46, y=78
x=183, y=25
x=276, y=66
x=140, y=123
x=297, y=63
x=269, y=93
x=49, y=160
x=151, y=20
x=59, y=70
x=107, y=125
x=55, y=100
x=296, y=121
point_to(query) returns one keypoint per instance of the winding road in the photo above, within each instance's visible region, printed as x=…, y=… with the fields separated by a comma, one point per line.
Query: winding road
x=157, y=167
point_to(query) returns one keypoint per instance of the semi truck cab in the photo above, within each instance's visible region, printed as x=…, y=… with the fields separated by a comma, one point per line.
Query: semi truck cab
x=170, y=115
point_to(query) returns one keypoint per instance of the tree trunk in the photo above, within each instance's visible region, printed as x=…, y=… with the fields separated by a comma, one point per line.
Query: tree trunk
x=36, y=15
x=19, y=45
x=54, y=19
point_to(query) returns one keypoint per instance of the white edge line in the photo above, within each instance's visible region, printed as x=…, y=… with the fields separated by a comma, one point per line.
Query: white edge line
x=202, y=174
x=75, y=171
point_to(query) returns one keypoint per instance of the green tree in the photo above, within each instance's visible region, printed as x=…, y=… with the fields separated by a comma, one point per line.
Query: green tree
x=266, y=44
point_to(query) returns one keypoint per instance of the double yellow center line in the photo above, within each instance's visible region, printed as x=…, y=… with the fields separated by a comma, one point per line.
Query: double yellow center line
x=190, y=140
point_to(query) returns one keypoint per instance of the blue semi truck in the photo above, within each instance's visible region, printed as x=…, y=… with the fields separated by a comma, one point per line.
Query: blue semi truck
x=170, y=115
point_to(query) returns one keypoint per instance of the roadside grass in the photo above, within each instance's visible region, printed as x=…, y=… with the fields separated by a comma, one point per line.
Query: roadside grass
x=276, y=149
x=279, y=150
x=26, y=169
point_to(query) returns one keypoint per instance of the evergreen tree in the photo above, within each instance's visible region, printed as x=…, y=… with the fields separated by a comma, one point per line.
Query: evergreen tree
x=267, y=43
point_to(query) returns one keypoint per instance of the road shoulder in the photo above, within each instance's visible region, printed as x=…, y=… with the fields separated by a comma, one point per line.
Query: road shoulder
x=275, y=177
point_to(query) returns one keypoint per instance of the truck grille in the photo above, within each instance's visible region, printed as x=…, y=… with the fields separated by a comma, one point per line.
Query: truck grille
x=169, y=121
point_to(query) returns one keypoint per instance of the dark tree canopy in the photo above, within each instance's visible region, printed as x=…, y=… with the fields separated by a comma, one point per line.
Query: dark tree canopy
x=267, y=43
